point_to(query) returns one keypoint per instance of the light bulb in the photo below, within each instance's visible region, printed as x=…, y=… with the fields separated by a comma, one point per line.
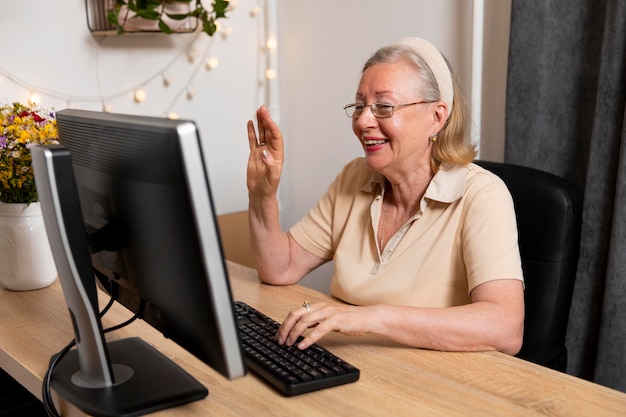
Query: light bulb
x=167, y=79
x=270, y=74
x=271, y=43
x=255, y=11
x=212, y=63
x=192, y=54
x=34, y=99
x=226, y=32
x=140, y=96
x=172, y=115
x=191, y=92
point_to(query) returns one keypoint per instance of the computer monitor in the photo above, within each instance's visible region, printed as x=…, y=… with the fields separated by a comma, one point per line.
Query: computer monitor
x=127, y=204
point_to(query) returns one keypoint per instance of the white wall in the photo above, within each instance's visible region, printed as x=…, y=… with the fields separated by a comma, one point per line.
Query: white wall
x=51, y=50
x=322, y=47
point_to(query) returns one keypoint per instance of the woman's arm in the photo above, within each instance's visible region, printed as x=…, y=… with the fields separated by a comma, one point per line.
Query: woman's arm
x=493, y=321
x=277, y=257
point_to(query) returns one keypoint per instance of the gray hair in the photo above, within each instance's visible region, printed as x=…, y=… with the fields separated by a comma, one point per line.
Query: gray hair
x=396, y=53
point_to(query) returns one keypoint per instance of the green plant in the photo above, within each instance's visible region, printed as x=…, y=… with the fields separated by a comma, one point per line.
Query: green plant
x=154, y=10
x=21, y=128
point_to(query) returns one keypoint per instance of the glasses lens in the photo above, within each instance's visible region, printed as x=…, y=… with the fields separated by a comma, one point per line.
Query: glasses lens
x=354, y=110
x=382, y=110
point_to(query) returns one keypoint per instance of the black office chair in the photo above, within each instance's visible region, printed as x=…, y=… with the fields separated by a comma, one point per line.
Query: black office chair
x=548, y=210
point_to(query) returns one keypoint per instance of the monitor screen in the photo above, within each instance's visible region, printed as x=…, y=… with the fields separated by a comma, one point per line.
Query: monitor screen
x=148, y=215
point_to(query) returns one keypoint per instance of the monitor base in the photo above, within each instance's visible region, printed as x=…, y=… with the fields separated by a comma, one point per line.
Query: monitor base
x=157, y=382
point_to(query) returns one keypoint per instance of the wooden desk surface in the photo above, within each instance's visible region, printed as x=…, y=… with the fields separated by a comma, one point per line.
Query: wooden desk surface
x=395, y=380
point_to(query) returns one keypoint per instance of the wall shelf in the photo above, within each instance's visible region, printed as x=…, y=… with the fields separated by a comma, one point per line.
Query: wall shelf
x=99, y=25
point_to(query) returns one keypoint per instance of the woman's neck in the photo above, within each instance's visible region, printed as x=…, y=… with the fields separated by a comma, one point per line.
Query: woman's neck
x=406, y=193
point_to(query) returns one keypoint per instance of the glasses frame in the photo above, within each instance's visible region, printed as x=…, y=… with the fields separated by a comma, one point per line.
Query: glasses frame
x=352, y=107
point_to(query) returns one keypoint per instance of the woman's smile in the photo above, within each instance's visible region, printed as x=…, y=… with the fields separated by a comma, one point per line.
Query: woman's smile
x=372, y=145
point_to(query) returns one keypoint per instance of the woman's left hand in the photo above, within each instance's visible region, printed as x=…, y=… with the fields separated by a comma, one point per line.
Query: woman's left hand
x=321, y=318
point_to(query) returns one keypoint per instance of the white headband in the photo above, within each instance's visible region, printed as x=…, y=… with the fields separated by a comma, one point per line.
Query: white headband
x=437, y=64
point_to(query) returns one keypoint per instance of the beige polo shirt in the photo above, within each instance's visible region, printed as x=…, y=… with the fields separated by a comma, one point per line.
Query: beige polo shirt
x=465, y=234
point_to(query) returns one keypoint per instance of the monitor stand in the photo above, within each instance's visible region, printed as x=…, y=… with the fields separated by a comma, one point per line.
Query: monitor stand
x=149, y=382
x=119, y=378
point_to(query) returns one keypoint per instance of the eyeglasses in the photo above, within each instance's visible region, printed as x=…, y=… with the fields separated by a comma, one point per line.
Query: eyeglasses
x=379, y=110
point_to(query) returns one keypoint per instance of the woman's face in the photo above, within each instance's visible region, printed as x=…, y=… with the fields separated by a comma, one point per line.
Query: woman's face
x=400, y=144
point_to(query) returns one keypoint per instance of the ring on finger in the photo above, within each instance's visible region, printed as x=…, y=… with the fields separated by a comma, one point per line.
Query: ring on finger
x=307, y=306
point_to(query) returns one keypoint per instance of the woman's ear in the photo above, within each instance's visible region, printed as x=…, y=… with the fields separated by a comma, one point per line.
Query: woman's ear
x=440, y=115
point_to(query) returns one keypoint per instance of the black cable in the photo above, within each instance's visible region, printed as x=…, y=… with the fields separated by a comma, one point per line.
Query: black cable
x=48, y=403
x=46, y=394
x=112, y=298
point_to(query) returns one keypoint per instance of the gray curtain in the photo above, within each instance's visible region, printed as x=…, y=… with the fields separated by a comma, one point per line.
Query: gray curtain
x=566, y=114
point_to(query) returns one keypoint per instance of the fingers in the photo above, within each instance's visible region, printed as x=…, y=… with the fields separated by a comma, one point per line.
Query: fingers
x=262, y=117
x=300, y=320
x=252, y=139
x=268, y=132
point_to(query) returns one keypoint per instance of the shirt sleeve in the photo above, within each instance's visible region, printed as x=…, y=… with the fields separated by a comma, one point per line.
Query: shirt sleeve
x=490, y=236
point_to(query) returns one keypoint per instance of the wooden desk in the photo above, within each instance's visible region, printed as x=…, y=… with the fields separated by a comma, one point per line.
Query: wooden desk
x=395, y=380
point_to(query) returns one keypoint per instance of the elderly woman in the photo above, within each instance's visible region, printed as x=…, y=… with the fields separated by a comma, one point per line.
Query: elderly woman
x=424, y=242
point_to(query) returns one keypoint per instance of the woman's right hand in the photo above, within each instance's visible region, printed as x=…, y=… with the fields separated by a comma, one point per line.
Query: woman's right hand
x=278, y=258
x=265, y=163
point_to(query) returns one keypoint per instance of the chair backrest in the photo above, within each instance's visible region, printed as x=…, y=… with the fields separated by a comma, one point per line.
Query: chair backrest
x=548, y=210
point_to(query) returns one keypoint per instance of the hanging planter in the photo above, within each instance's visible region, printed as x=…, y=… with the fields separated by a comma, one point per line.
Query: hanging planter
x=131, y=19
x=108, y=17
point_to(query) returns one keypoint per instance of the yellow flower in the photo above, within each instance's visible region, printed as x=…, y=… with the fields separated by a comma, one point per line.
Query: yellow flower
x=23, y=137
x=20, y=128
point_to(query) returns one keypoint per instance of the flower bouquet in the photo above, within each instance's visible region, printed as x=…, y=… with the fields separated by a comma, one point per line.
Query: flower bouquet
x=22, y=127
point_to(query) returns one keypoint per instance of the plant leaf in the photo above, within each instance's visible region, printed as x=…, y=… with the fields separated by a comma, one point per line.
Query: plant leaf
x=148, y=14
x=220, y=6
x=177, y=16
x=209, y=27
x=163, y=27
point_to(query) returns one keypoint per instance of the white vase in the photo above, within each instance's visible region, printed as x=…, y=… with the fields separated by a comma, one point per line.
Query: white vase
x=26, y=261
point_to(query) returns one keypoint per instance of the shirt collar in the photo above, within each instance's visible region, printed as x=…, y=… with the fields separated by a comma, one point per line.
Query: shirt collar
x=447, y=185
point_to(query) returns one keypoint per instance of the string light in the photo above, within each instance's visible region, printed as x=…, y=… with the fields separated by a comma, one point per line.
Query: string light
x=34, y=99
x=138, y=94
x=191, y=92
x=271, y=43
x=231, y=5
x=212, y=63
x=226, y=32
x=192, y=55
x=167, y=78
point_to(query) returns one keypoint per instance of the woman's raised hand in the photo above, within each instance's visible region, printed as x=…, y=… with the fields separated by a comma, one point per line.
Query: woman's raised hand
x=266, y=156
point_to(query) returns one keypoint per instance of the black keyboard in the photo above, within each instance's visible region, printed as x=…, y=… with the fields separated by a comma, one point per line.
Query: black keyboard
x=291, y=370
